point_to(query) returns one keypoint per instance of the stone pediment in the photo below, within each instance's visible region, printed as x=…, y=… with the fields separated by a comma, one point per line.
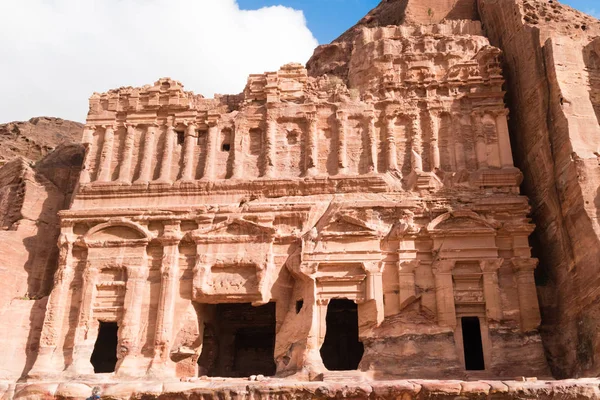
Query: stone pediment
x=233, y=228
x=344, y=224
x=462, y=222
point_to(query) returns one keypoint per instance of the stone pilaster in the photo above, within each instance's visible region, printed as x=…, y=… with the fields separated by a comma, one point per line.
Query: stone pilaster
x=372, y=135
x=375, y=288
x=167, y=155
x=312, y=153
x=147, y=155
x=106, y=155
x=84, y=343
x=211, y=150
x=444, y=293
x=406, y=281
x=480, y=141
x=434, y=145
x=50, y=360
x=416, y=143
x=342, y=120
x=491, y=289
x=459, y=148
x=129, y=332
x=269, y=148
x=88, y=138
x=506, y=157
x=127, y=158
x=528, y=302
x=391, y=153
x=189, y=146
x=165, y=317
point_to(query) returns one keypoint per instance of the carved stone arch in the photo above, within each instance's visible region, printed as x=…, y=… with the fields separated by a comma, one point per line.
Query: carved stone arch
x=117, y=230
x=479, y=221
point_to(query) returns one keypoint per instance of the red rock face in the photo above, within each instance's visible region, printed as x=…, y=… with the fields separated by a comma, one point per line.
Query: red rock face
x=356, y=221
x=36, y=138
x=551, y=63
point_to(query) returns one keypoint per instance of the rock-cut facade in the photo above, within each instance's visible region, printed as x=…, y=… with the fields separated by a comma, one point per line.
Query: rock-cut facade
x=312, y=227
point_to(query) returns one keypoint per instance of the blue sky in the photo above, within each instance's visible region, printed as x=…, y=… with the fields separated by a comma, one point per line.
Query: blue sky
x=327, y=19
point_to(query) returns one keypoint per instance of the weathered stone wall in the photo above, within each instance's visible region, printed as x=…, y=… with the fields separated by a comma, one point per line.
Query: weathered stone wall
x=30, y=198
x=550, y=67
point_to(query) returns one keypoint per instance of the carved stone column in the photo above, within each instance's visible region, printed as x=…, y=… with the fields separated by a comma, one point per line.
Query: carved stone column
x=106, y=156
x=342, y=119
x=50, y=360
x=434, y=146
x=480, y=141
x=211, y=150
x=88, y=138
x=406, y=281
x=444, y=293
x=392, y=154
x=459, y=148
x=312, y=153
x=165, y=317
x=189, y=145
x=372, y=135
x=129, y=331
x=506, y=157
x=375, y=288
x=416, y=143
x=167, y=155
x=147, y=155
x=528, y=302
x=491, y=290
x=84, y=343
x=126, y=162
x=269, y=147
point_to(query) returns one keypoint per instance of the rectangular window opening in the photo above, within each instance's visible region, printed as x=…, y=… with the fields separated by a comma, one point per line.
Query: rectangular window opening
x=472, y=344
x=104, y=356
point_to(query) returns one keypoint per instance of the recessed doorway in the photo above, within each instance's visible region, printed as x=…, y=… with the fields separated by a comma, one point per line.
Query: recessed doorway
x=104, y=356
x=239, y=341
x=472, y=344
x=342, y=349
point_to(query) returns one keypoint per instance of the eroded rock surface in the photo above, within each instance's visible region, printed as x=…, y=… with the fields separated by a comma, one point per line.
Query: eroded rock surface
x=36, y=138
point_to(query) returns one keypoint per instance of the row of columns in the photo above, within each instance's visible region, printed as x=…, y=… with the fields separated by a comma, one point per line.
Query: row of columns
x=148, y=154
x=497, y=153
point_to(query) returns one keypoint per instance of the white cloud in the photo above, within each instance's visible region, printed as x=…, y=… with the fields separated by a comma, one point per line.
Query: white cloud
x=55, y=53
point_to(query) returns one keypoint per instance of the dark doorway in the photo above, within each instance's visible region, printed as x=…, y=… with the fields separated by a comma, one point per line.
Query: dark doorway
x=104, y=356
x=341, y=350
x=473, y=346
x=239, y=341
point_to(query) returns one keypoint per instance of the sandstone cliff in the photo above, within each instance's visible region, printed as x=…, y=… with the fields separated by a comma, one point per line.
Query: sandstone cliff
x=36, y=138
x=30, y=198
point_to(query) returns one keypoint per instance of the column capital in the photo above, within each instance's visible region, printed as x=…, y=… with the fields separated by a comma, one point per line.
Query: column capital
x=524, y=264
x=109, y=126
x=342, y=115
x=491, y=265
x=130, y=125
x=372, y=267
x=408, y=267
x=311, y=116
x=443, y=266
x=171, y=233
x=322, y=302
